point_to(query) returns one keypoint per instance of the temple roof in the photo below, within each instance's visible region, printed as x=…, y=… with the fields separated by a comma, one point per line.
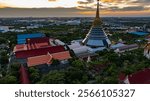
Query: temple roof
x=140, y=77
x=39, y=51
x=147, y=46
x=47, y=59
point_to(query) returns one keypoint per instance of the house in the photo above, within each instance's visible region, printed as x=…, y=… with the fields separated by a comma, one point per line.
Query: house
x=140, y=77
x=4, y=29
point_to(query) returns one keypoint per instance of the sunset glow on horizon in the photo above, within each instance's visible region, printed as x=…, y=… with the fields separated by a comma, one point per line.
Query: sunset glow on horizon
x=87, y=7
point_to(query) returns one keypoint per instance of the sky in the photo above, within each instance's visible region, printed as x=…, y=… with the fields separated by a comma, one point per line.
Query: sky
x=73, y=8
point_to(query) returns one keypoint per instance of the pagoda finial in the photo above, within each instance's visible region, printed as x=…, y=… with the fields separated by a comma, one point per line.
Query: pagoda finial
x=97, y=11
x=97, y=20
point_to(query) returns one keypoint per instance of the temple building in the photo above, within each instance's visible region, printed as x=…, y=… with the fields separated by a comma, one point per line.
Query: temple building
x=97, y=37
x=147, y=50
x=37, y=51
x=95, y=40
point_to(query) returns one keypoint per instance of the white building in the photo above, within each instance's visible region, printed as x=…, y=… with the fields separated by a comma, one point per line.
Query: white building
x=73, y=22
x=126, y=48
x=4, y=29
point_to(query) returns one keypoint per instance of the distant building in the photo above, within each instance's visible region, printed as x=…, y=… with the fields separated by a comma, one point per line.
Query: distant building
x=138, y=33
x=4, y=29
x=140, y=77
x=4, y=46
x=147, y=50
x=73, y=22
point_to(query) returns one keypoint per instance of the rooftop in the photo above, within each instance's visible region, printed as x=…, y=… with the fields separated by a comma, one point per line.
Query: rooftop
x=138, y=33
x=21, y=38
x=25, y=47
x=47, y=59
x=24, y=78
x=147, y=46
x=127, y=47
x=38, y=40
x=140, y=77
x=39, y=51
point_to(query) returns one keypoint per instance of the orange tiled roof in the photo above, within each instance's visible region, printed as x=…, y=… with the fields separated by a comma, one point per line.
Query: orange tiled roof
x=20, y=47
x=61, y=55
x=47, y=59
x=38, y=60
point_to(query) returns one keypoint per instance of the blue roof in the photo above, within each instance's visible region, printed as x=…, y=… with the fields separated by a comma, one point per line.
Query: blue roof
x=21, y=38
x=1, y=30
x=138, y=33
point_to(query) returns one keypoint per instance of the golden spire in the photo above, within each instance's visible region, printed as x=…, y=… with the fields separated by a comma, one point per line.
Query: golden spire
x=97, y=20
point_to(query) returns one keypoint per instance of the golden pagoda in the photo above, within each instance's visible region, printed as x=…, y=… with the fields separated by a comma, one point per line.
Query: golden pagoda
x=96, y=37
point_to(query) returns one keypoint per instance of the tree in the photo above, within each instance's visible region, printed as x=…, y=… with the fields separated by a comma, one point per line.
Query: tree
x=74, y=74
x=53, y=77
x=4, y=57
x=9, y=80
x=14, y=70
x=78, y=64
x=2, y=40
x=34, y=74
x=55, y=62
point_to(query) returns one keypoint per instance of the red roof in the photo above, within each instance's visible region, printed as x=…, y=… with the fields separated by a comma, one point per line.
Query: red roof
x=24, y=78
x=37, y=40
x=24, y=47
x=140, y=77
x=40, y=51
x=122, y=77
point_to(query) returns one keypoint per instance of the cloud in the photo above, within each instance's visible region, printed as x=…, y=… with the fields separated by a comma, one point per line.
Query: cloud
x=84, y=8
x=38, y=12
x=2, y=5
x=135, y=8
x=52, y=0
x=85, y=2
x=142, y=1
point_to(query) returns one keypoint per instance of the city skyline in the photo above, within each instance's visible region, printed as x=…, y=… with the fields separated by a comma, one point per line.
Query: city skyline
x=74, y=8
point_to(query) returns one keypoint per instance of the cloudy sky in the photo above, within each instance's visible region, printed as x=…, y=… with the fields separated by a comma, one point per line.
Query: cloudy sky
x=73, y=8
